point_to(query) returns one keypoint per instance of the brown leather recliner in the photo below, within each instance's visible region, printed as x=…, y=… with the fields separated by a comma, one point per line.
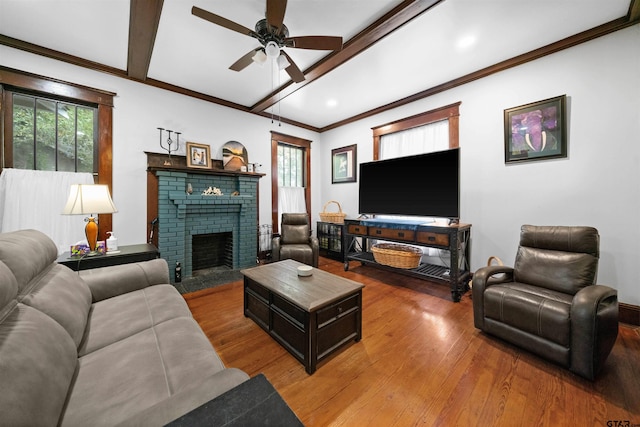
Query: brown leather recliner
x=295, y=240
x=548, y=303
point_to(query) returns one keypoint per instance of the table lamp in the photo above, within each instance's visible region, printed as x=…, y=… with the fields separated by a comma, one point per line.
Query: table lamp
x=89, y=199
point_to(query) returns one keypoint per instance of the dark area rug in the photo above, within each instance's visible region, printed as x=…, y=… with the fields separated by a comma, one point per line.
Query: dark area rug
x=204, y=279
x=252, y=403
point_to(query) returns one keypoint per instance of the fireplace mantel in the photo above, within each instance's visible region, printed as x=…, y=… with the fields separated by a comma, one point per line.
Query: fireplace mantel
x=182, y=200
x=162, y=162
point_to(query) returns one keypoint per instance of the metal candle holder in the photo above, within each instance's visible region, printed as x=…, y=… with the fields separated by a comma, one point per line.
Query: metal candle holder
x=169, y=142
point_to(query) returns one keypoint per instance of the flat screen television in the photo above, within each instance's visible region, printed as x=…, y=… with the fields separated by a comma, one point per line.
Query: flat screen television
x=422, y=185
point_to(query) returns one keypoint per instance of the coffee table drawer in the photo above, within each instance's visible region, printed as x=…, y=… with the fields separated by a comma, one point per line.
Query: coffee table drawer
x=289, y=309
x=257, y=309
x=332, y=312
x=258, y=289
x=290, y=336
x=336, y=333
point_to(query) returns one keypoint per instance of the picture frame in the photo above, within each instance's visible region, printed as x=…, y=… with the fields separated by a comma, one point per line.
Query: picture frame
x=343, y=164
x=198, y=156
x=536, y=131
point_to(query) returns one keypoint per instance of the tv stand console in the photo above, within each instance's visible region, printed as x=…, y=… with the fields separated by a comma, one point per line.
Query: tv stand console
x=454, y=238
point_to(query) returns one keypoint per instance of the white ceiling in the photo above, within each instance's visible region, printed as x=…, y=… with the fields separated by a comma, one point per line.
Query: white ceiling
x=452, y=39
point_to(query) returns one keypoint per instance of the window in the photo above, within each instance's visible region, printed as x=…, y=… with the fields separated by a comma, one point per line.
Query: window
x=450, y=113
x=290, y=167
x=49, y=134
x=63, y=100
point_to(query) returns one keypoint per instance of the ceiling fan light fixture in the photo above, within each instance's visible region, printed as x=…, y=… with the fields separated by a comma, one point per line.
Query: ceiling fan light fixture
x=272, y=49
x=259, y=58
x=283, y=62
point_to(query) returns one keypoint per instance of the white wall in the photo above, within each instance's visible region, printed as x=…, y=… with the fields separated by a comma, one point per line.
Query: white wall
x=139, y=110
x=597, y=184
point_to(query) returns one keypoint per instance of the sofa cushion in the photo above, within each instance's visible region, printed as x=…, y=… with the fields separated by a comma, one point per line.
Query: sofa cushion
x=61, y=294
x=27, y=253
x=116, y=318
x=8, y=285
x=538, y=311
x=139, y=372
x=37, y=362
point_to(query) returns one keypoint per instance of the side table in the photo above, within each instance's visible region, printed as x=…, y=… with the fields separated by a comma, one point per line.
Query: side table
x=124, y=255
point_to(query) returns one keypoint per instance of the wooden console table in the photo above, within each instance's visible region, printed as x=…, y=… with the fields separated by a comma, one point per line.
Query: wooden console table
x=454, y=238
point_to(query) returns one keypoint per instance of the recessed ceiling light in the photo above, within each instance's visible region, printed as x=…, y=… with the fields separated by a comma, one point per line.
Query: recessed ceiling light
x=332, y=102
x=466, y=42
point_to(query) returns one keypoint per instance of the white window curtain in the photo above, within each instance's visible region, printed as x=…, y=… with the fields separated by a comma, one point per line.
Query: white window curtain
x=418, y=140
x=35, y=199
x=291, y=200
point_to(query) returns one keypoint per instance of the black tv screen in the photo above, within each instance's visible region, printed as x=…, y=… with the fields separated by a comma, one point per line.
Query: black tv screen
x=422, y=185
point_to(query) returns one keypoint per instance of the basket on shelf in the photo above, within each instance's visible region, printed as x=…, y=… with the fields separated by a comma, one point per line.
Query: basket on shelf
x=335, y=217
x=399, y=256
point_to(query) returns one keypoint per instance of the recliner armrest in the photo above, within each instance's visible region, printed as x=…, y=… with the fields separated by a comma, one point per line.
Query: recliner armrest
x=107, y=282
x=275, y=248
x=315, y=247
x=594, y=328
x=483, y=278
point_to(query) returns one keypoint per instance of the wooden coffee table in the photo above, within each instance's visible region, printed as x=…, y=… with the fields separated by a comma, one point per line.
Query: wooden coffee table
x=311, y=317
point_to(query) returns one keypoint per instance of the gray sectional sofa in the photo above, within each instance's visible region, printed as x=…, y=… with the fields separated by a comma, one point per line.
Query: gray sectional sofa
x=109, y=346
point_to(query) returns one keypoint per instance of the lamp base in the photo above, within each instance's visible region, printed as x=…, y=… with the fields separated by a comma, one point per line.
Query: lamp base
x=93, y=253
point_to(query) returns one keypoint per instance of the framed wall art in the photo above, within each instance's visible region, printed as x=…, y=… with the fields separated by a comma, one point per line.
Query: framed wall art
x=536, y=131
x=343, y=164
x=198, y=156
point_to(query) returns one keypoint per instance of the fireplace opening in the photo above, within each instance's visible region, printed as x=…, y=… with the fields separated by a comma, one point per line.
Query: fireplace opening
x=210, y=251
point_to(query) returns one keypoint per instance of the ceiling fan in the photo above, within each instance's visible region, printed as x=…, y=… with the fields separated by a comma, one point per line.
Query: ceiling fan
x=273, y=35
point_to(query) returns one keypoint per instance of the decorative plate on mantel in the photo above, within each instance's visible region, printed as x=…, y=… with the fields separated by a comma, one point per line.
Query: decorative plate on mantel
x=234, y=156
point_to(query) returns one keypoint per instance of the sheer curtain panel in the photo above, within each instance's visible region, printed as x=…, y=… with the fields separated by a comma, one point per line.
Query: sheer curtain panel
x=34, y=199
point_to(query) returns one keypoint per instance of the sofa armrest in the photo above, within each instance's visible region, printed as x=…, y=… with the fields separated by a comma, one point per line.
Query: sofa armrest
x=594, y=328
x=482, y=279
x=107, y=282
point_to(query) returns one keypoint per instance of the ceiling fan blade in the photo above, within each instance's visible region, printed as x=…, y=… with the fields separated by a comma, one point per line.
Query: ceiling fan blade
x=293, y=70
x=315, y=42
x=223, y=22
x=275, y=13
x=245, y=61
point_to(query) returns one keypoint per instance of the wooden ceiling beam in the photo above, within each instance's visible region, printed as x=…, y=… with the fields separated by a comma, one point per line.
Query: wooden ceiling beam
x=144, y=17
x=634, y=11
x=388, y=23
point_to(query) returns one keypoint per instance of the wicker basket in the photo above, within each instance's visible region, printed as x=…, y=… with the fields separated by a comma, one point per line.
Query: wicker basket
x=335, y=217
x=399, y=256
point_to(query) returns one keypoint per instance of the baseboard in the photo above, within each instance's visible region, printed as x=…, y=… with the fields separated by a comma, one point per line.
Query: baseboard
x=629, y=314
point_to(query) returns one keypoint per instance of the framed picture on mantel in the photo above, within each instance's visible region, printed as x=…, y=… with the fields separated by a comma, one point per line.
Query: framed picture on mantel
x=536, y=131
x=343, y=164
x=198, y=156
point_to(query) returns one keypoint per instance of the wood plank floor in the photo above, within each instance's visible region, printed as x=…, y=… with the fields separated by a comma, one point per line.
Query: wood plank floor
x=422, y=362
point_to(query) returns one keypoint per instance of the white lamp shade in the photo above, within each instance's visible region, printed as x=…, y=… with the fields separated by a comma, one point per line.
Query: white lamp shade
x=272, y=50
x=260, y=57
x=89, y=199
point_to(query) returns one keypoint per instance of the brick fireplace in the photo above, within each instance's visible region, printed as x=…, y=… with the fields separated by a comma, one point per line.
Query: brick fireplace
x=184, y=218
